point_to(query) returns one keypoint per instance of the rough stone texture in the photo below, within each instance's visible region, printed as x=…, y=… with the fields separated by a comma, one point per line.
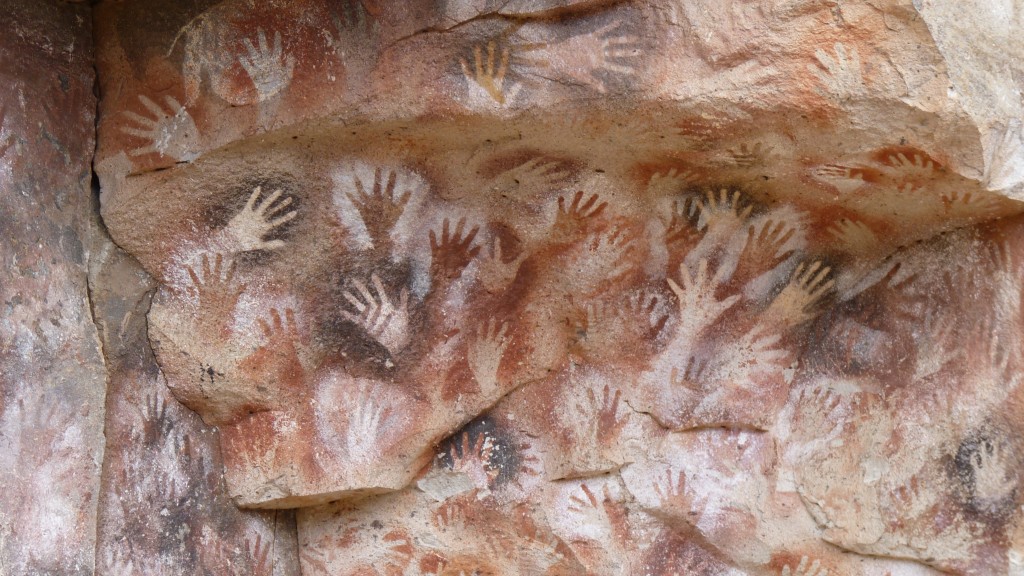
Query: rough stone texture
x=585, y=287
x=981, y=46
x=163, y=507
x=51, y=368
x=521, y=287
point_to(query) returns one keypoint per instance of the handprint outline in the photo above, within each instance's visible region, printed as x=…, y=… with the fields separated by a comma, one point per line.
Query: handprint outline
x=599, y=54
x=724, y=210
x=489, y=75
x=495, y=272
x=354, y=27
x=765, y=248
x=171, y=132
x=378, y=315
x=485, y=353
x=799, y=299
x=609, y=423
x=531, y=178
x=574, y=218
x=216, y=291
x=364, y=424
x=268, y=66
x=664, y=184
x=913, y=166
x=256, y=220
x=842, y=75
x=452, y=252
x=698, y=305
x=855, y=236
x=379, y=209
x=675, y=497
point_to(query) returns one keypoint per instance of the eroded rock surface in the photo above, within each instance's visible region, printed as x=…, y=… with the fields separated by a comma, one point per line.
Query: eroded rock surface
x=51, y=368
x=634, y=366
x=549, y=287
x=163, y=506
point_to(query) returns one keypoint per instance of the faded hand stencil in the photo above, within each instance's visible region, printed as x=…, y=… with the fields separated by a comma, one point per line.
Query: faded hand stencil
x=679, y=373
x=494, y=298
x=169, y=132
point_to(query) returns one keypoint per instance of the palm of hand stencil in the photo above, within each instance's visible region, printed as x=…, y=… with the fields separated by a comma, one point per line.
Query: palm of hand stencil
x=609, y=422
x=452, y=252
x=592, y=512
x=486, y=79
x=268, y=66
x=364, y=424
x=473, y=458
x=381, y=318
x=798, y=301
x=841, y=76
x=354, y=29
x=605, y=53
x=698, y=305
x=256, y=220
x=484, y=355
x=496, y=272
x=170, y=132
x=725, y=210
x=379, y=209
x=280, y=350
x=992, y=473
x=676, y=499
x=663, y=184
x=764, y=250
x=217, y=293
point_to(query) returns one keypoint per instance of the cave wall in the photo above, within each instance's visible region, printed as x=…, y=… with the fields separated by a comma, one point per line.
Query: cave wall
x=52, y=373
x=522, y=287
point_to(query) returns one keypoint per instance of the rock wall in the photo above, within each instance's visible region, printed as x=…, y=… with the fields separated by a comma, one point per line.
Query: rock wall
x=525, y=287
x=163, y=507
x=52, y=377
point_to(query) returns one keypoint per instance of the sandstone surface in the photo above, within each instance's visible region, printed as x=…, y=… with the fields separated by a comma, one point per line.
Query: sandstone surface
x=522, y=287
x=52, y=377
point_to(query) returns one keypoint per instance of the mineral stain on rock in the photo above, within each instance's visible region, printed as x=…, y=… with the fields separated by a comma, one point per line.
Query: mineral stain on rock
x=522, y=287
